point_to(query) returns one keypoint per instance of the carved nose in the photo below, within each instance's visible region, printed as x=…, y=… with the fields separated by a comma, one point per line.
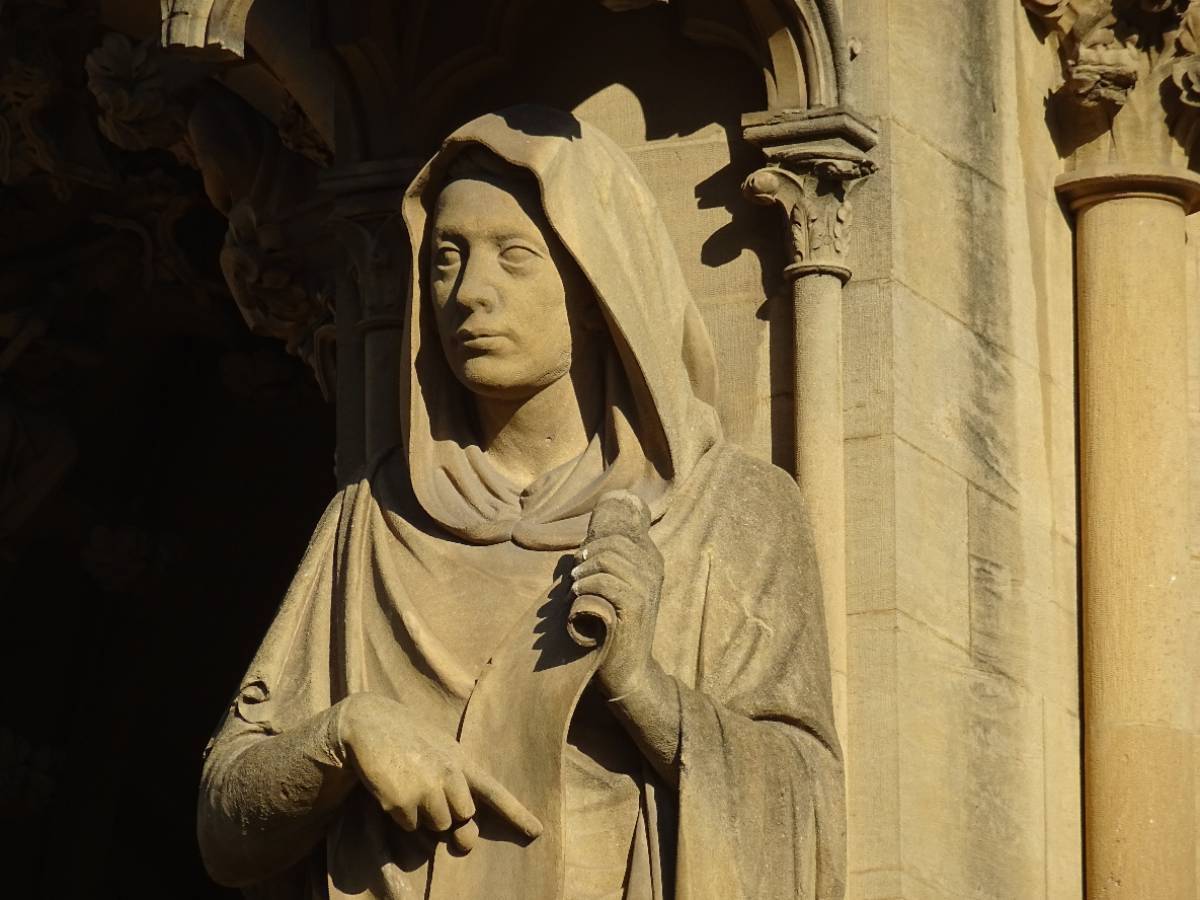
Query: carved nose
x=475, y=291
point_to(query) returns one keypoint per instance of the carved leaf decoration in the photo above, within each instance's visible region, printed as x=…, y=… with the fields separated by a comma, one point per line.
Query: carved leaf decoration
x=1188, y=38
x=1160, y=6
x=1186, y=76
x=129, y=89
x=841, y=229
x=297, y=133
x=800, y=233
x=1061, y=15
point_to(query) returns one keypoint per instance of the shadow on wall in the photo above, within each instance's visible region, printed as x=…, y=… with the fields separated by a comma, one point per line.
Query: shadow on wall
x=676, y=107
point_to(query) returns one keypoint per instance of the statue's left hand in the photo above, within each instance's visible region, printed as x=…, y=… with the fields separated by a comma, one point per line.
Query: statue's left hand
x=620, y=563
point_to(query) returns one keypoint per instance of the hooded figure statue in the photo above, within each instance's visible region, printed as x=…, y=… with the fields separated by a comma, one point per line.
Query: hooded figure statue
x=431, y=714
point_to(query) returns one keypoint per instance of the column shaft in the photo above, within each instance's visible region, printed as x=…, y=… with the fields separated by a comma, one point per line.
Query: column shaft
x=351, y=399
x=820, y=463
x=1137, y=650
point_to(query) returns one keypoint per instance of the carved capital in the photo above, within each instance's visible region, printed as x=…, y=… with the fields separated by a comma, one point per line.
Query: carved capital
x=369, y=226
x=815, y=158
x=1131, y=78
x=815, y=201
x=378, y=260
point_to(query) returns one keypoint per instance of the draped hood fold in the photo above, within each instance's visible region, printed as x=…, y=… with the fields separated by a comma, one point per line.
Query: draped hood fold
x=661, y=416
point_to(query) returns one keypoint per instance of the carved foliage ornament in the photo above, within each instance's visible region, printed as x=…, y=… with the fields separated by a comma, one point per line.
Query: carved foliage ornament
x=277, y=293
x=1109, y=46
x=45, y=128
x=816, y=202
x=136, y=110
x=1142, y=55
x=1185, y=74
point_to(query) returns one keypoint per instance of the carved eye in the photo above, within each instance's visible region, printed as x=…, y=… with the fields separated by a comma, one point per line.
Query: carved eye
x=447, y=256
x=518, y=254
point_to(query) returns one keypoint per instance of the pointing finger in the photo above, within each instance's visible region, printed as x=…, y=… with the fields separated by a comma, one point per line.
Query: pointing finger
x=495, y=795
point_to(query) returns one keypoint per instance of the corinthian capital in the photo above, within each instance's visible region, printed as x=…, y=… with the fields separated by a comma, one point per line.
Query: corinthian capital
x=815, y=158
x=815, y=201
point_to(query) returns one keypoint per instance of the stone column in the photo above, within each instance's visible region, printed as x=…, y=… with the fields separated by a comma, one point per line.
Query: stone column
x=370, y=307
x=1128, y=115
x=816, y=169
x=1138, y=655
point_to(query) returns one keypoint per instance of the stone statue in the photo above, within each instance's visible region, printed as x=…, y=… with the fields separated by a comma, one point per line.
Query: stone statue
x=565, y=641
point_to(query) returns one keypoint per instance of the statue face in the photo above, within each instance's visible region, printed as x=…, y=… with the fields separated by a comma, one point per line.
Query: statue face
x=505, y=292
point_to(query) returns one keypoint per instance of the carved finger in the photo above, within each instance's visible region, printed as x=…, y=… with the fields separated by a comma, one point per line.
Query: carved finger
x=621, y=544
x=458, y=794
x=496, y=795
x=436, y=811
x=602, y=584
x=405, y=815
x=610, y=563
x=464, y=838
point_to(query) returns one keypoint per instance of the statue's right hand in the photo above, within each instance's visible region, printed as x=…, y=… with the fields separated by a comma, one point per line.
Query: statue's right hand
x=420, y=775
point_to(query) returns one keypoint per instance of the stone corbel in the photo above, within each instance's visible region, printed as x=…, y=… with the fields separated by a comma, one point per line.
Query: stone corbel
x=273, y=259
x=815, y=159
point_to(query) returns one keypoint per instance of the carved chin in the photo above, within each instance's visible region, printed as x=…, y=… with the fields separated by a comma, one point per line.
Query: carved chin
x=491, y=375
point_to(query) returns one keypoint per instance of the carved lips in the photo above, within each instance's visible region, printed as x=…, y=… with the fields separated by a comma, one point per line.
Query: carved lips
x=481, y=339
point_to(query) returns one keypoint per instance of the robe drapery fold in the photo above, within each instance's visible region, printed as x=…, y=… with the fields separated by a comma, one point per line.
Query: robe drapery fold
x=433, y=540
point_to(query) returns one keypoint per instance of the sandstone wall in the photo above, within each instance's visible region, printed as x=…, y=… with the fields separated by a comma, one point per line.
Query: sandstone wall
x=963, y=729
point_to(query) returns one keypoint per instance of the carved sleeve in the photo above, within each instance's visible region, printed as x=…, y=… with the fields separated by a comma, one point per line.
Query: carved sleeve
x=265, y=801
x=274, y=772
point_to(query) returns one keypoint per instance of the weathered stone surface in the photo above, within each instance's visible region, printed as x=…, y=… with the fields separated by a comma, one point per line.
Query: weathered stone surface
x=868, y=353
x=960, y=353
x=874, y=815
x=961, y=57
x=933, y=573
x=980, y=808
